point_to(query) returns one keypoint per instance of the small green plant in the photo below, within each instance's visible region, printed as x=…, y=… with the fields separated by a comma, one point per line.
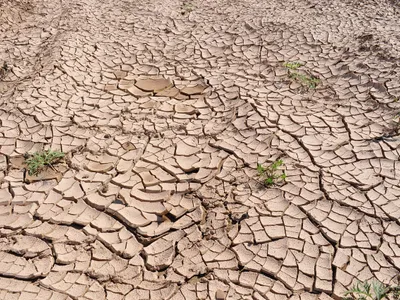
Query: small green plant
x=36, y=162
x=270, y=175
x=292, y=65
x=307, y=80
x=395, y=291
x=373, y=290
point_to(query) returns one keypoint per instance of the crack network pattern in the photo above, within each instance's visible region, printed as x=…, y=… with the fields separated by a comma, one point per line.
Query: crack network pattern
x=164, y=109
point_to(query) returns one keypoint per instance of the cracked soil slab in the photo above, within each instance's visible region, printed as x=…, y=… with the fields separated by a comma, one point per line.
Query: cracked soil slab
x=164, y=109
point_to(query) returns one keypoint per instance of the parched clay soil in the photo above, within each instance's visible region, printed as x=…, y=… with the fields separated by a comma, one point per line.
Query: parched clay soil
x=164, y=108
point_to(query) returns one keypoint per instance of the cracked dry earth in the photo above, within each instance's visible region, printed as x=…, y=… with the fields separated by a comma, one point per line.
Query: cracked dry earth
x=164, y=109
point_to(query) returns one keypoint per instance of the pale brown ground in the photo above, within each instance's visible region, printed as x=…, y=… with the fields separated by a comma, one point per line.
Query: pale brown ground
x=159, y=196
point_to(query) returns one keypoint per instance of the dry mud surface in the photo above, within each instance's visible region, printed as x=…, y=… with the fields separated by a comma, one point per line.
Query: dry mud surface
x=164, y=109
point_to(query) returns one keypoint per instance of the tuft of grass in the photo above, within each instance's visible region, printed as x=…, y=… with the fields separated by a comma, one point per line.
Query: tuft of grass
x=292, y=65
x=36, y=162
x=307, y=80
x=373, y=290
x=271, y=174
